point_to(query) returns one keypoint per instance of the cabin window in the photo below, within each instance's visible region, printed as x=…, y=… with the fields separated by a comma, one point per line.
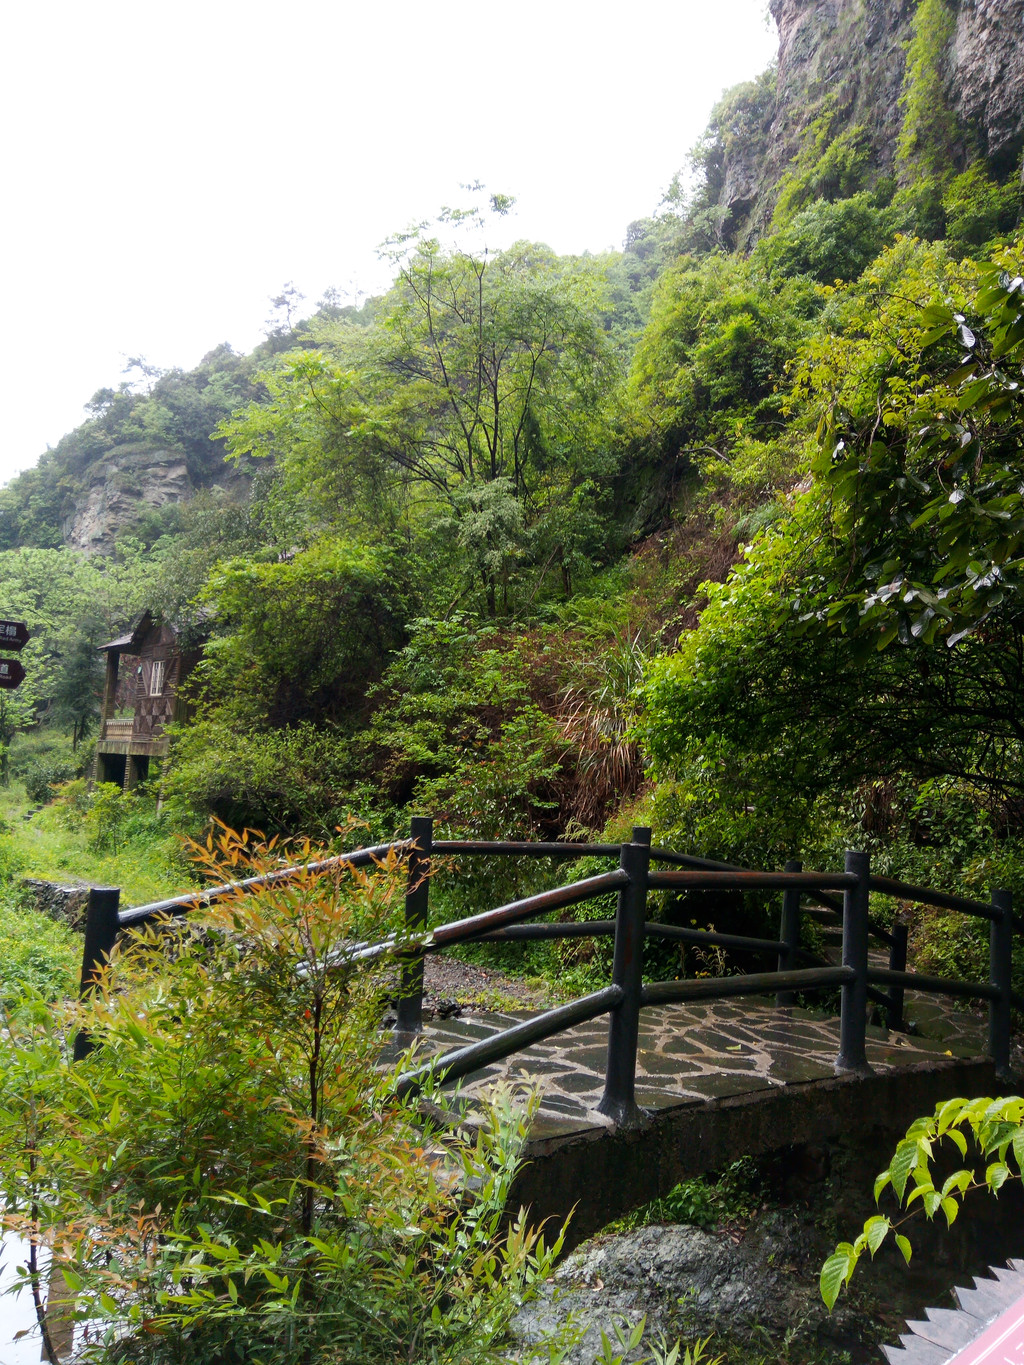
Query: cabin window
x=156, y=678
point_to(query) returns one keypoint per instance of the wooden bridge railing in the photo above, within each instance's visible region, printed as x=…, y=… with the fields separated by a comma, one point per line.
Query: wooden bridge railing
x=627, y=993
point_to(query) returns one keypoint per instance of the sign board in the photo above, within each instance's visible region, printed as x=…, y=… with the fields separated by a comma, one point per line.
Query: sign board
x=12, y=674
x=1001, y=1343
x=13, y=634
x=986, y=1327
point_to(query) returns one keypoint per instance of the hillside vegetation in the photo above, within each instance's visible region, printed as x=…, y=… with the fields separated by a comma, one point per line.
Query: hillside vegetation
x=724, y=541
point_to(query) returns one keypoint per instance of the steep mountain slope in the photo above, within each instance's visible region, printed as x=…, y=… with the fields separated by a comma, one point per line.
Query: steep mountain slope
x=834, y=109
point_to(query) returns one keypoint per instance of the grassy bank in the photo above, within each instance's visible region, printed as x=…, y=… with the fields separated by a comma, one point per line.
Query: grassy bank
x=106, y=837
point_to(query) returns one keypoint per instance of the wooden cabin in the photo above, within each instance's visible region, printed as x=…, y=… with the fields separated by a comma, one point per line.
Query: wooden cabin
x=141, y=695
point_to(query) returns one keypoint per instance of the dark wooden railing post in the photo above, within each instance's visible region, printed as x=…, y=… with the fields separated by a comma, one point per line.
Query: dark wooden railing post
x=1000, y=968
x=854, y=1017
x=410, y=991
x=619, y=1100
x=897, y=963
x=101, y=930
x=789, y=932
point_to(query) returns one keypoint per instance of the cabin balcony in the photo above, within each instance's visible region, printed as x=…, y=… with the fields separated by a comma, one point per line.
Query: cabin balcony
x=125, y=736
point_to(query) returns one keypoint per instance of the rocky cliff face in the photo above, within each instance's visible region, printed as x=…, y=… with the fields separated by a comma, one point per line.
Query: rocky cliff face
x=847, y=58
x=127, y=482
x=987, y=75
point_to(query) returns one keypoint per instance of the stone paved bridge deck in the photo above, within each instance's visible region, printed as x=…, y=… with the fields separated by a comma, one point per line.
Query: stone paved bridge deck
x=718, y=1079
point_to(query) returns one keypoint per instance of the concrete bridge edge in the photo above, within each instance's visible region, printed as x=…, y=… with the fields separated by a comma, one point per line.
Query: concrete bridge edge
x=602, y=1173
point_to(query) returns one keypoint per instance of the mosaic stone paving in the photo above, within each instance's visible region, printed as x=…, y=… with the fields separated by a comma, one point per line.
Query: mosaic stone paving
x=694, y=1052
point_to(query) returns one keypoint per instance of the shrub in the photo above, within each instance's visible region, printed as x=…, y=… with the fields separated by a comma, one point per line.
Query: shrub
x=37, y=953
x=44, y=775
x=228, y=1177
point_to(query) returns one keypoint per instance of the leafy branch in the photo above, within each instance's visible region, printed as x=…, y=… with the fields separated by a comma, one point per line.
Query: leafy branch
x=995, y=1128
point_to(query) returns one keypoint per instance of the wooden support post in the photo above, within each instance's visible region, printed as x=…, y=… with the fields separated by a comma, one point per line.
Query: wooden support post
x=1000, y=958
x=854, y=1017
x=410, y=991
x=619, y=1100
x=789, y=932
x=102, y=927
x=897, y=963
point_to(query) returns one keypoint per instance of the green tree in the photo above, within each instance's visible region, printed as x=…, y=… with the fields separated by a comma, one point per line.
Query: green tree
x=877, y=628
x=484, y=378
x=77, y=688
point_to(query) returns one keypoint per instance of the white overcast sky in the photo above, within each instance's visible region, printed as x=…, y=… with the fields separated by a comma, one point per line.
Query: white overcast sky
x=168, y=167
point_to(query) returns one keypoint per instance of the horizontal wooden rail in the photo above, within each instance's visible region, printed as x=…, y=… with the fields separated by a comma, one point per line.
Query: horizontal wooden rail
x=709, y=936
x=505, y=848
x=598, y=928
x=199, y=900
x=521, y=849
x=585, y=928
x=923, y=895
x=466, y=930
x=934, y=985
x=464, y=1060
x=877, y=997
x=669, y=855
x=756, y=983
x=750, y=881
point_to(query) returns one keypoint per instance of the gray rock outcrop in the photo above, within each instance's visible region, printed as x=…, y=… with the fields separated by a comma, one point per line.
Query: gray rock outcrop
x=125, y=483
x=846, y=59
x=759, y=1288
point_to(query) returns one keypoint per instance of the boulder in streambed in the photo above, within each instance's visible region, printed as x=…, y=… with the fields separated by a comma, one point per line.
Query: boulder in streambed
x=754, y=1288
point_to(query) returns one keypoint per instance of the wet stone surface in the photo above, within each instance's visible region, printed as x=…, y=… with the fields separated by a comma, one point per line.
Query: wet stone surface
x=696, y=1052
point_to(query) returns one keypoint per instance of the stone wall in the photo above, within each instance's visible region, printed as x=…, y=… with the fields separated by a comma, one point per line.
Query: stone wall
x=64, y=903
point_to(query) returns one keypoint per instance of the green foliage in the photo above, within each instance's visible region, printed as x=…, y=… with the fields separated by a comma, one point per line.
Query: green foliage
x=706, y=1201
x=256, y=1192
x=474, y=413
x=930, y=129
x=143, y=856
x=978, y=210
x=910, y=533
x=829, y=241
x=41, y=778
x=707, y=372
x=70, y=604
x=459, y=732
x=277, y=780
x=917, y=460
x=988, y=1136
x=302, y=639
x=829, y=165
x=39, y=955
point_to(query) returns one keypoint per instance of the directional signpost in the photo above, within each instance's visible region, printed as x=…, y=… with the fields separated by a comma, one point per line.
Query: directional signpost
x=13, y=634
x=12, y=674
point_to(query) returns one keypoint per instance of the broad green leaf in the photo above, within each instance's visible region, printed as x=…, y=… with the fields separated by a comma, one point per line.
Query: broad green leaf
x=904, y=1246
x=957, y=1138
x=834, y=1274
x=996, y=1175
x=902, y=1164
